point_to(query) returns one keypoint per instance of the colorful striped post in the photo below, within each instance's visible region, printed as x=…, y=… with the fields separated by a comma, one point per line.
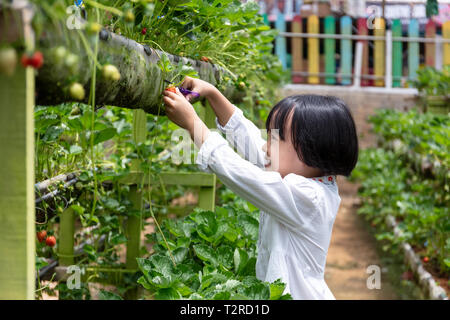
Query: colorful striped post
x=446, y=35
x=346, y=51
x=313, y=50
x=280, y=42
x=297, y=49
x=330, y=50
x=413, y=49
x=363, y=31
x=430, y=48
x=397, y=54
x=379, y=54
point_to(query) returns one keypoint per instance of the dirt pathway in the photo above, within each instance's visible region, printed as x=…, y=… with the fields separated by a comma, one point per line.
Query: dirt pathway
x=352, y=250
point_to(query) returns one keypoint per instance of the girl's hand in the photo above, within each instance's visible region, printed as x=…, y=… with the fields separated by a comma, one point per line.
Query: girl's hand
x=179, y=110
x=204, y=88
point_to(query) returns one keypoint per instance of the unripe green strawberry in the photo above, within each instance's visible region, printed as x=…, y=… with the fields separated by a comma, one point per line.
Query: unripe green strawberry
x=77, y=91
x=8, y=61
x=129, y=16
x=110, y=72
x=59, y=54
x=93, y=28
x=71, y=62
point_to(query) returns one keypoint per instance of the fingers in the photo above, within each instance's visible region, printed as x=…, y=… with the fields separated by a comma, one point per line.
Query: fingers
x=168, y=102
x=171, y=94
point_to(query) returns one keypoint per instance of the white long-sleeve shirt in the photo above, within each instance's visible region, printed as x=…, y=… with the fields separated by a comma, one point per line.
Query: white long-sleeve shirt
x=297, y=213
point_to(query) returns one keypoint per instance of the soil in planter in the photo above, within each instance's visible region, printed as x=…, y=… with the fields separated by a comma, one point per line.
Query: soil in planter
x=441, y=279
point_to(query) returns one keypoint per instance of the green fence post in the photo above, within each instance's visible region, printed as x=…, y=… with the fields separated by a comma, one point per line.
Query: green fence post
x=330, y=50
x=66, y=238
x=133, y=229
x=397, y=54
x=17, y=209
x=207, y=196
x=134, y=222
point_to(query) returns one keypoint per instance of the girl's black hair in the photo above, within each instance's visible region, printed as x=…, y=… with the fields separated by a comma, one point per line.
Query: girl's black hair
x=323, y=131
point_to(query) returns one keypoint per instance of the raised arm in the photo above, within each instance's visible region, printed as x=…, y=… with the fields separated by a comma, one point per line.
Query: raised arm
x=292, y=200
x=239, y=131
x=219, y=103
x=267, y=190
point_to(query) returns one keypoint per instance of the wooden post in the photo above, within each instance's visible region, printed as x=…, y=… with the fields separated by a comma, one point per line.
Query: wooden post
x=207, y=197
x=446, y=35
x=379, y=51
x=330, y=50
x=280, y=41
x=66, y=238
x=134, y=223
x=397, y=54
x=313, y=50
x=207, y=194
x=17, y=210
x=413, y=49
x=297, y=49
x=363, y=31
x=346, y=51
x=430, y=33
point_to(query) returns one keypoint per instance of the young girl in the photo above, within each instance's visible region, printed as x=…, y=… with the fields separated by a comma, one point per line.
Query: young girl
x=294, y=183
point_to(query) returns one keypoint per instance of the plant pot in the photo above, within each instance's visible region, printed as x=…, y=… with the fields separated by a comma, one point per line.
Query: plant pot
x=438, y=104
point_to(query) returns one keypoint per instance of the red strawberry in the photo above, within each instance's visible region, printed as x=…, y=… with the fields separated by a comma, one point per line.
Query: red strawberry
x=51, y=241
x=426, y=259
x=41, y=235
x=144, y=31
x=25, y=60
x=36, y=60
x=330, y=178
x=171, y=89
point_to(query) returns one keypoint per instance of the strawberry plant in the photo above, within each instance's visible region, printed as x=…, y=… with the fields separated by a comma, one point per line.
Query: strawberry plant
x=390, y=187
x=98, y=143
x=215, y=255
